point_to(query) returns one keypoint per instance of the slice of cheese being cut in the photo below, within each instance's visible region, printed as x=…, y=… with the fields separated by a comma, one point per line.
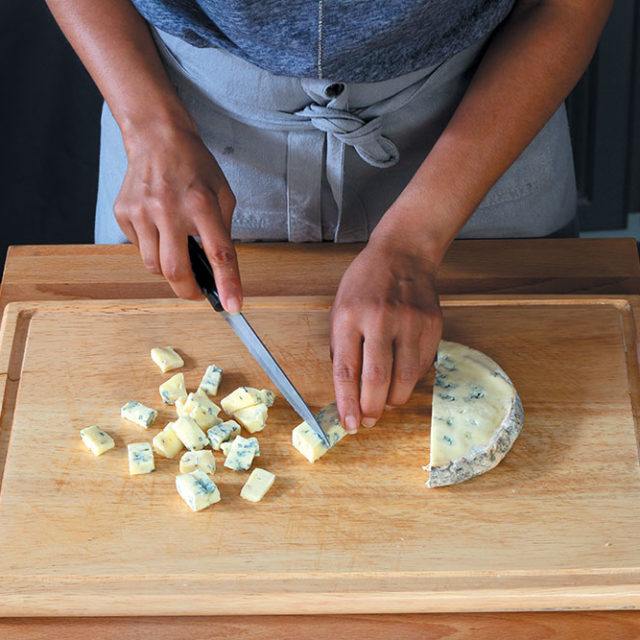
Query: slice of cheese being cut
x=476, y=415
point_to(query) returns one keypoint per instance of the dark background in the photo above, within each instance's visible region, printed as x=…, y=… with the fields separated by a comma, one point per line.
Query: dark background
x=50, y=113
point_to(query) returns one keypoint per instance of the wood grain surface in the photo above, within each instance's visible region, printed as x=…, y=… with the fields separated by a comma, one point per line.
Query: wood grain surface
x=273, y=269
x=554, y=526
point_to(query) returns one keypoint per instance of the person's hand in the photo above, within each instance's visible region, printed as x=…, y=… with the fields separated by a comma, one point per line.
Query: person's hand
x=174, y=188
x=385, y=327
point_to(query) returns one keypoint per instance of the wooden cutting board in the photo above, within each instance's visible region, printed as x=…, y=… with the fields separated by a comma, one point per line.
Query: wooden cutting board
x=555, y=525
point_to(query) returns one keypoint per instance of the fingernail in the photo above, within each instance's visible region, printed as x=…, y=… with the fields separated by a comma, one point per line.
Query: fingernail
x=233, y=305
x=368, y=422
x=350, y=423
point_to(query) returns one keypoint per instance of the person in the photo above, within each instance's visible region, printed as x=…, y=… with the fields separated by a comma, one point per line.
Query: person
x=402, y=124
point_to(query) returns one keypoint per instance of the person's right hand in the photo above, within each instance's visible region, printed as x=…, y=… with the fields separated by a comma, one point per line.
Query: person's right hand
x=174, y=188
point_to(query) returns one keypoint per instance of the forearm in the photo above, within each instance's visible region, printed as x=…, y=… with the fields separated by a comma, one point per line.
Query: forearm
x=114, y=43
x=531, y=64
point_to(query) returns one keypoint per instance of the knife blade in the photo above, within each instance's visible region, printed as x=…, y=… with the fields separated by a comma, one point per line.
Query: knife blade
x=204, y=277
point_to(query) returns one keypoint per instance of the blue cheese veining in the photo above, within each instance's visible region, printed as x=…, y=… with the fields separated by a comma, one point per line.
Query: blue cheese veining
x=476, y=415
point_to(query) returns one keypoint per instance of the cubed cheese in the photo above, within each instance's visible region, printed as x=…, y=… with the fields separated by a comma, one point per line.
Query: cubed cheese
x=211, y=380
x=138, y=413
x=167, y=442
x=173, y=389
x=254, y=418
x=190, y=434
x=244, y=397
x=222, y=433
x=166, y=358
x=202, y=460
x=97, y=440
x=259, y=482
x=305, y=440
x=241, y=453
x=197, y=489
x=140, y=458
x=200, y=408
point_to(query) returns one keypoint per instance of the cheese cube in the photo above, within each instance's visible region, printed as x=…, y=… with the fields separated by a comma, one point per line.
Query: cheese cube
x=140, y=458
x=138, y=413
x=305, y=440
x=167, y=442
x=225, y=447
x=190, y=433
x=259, y=482
x=241, y=453
x=222, y=433
x=244, y=397
x=97, y=440
x=254, y=418
x=166, y=358
x=197, y=489
x=173, y=389
x=202, y=460
x=211, y=380
x=200, y=408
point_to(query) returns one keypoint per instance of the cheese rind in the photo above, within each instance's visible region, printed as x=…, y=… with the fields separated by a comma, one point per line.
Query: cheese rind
x=97, y=440
x=202, y=460
x=244, y=397
x=241, y=453
x=138, y=413
x=173, y=389
x=258, y=483
x=222, y=433
x=189, y=433
x=140, y=458
x=211, y=380
x=253, y=418
x=476, y=415
x=197, y=489
x=166, y=358
x=167, y=442
x=305, y=440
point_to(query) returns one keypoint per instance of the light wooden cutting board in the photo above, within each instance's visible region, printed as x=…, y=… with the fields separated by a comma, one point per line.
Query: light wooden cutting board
x=555, y=525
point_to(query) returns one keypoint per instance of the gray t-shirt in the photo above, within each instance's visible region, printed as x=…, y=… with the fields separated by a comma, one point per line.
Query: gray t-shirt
x=343, y=40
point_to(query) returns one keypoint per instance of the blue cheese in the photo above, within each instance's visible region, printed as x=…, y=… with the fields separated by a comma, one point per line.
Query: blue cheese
x=476, y=415
x=253, y=418
x=189, y=433
x=166, y=358
x=244, y=397
x=200, y=408
x=241, y=453
x=167, y=442
x=202, y=460
x=258, y=483
x=140, y=458
x=211, y=380
x=197, y=489
x=173, y=389
x=138, y=413
x=222, y=433
x=97, y=440
x=305, y=440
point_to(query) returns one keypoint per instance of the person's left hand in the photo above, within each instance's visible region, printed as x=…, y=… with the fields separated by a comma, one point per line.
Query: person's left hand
x=386, y=324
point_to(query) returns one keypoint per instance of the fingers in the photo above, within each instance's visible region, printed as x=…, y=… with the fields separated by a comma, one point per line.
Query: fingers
x=347, y=356
x=377, y=363
x=414, y=351
x=175, y=263
x=224, y=262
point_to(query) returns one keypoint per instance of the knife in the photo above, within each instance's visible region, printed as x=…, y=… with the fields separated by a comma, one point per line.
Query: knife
x=204, y=277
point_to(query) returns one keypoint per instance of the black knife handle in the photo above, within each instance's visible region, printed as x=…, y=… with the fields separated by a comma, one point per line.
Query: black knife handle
x=204, y=273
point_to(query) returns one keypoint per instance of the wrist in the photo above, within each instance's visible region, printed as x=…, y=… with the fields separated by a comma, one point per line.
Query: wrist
x=404, y=231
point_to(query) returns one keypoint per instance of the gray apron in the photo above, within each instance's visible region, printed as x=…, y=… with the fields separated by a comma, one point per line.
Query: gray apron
x=315, y=159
